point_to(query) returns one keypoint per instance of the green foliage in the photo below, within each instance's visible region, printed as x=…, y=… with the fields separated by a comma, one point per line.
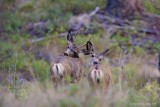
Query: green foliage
x=134, y=99
x=156, y=46
x=12, y=23
x=15, y=59
x=150, y=91
x=41, y=70
x=150, y=8
x=139, y=50
x=73, y=89
x=62, y=41
x=77, y=6
x=69, y=103
x=4, y=46
x=19, y=89
x=120, y=38
x=27, y=7
x=133, y=77
x=5, y=53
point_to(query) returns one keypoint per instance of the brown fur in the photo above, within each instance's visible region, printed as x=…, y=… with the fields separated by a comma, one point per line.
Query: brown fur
x=99, y=74
x=105, y=81
x=72, y=68
x=67, y=67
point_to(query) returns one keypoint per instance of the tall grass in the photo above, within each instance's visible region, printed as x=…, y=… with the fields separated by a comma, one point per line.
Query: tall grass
x=77, y=95
x=17, y=57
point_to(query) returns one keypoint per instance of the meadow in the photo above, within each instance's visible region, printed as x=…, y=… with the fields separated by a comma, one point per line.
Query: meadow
x=24, y=57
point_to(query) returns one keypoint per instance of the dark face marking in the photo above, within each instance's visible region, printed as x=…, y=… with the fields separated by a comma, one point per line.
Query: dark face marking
x=72, y=51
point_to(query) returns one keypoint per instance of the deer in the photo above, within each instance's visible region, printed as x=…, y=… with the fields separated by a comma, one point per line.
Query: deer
x=99, y=74
x=67, y=68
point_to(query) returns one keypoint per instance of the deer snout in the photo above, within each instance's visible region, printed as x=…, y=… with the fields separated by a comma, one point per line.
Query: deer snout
x=67, y=52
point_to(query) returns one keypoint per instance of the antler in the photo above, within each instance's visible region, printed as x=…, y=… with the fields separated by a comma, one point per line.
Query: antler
x=82, y=45
x=85, y=43
x=79, y=31
x=75, y=33
x=90, y=39
x=104, y=52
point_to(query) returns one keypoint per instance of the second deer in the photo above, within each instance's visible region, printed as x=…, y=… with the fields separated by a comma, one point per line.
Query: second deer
x=99, y=74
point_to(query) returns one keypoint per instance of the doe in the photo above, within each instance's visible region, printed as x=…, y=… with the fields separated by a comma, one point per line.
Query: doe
x=99, y=74
x=67, y=68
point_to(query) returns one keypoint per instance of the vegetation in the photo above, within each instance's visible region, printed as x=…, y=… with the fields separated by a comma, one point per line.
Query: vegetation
x=24, y=74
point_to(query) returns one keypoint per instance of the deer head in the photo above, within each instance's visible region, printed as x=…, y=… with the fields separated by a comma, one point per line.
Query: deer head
x=95, y=58
x=72, y=49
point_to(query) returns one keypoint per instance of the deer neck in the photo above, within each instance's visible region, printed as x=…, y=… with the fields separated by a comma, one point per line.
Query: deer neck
x=76, y=55
x=95, y=65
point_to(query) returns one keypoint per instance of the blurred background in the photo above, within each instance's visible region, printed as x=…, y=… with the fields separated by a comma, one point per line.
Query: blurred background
x=32, y=32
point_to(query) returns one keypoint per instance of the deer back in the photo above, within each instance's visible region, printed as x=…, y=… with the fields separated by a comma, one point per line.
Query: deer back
x=76, y=66
x=70, y=66
x=99, y=75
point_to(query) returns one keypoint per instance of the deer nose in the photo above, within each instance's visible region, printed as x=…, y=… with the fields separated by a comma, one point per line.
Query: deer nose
x=65, y=54
x=95, y=62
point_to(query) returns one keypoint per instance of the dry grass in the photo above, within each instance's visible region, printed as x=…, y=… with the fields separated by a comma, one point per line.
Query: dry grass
x=134, y=85
x=68, y=96
x=36, y=94
x=134, y=89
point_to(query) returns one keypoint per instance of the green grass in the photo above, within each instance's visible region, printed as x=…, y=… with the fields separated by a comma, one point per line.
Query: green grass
x=150, y=8
x=16, y=56
x=62, y=97
x=41, y=70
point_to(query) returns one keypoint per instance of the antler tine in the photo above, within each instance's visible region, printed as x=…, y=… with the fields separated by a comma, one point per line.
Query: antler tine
x=85, y=43
x=104, y=52
x=90, y=39
x=77, y=33
x=82, y=45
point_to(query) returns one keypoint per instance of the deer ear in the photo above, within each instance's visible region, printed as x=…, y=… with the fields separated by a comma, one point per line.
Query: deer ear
x=104, y=53
x=85, y=51
x=89, y=46
x=101, y=55
x=69, y=37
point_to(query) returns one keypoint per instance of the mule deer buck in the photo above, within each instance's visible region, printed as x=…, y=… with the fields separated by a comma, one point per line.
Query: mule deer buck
x=67, y=65
x=99, y=74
